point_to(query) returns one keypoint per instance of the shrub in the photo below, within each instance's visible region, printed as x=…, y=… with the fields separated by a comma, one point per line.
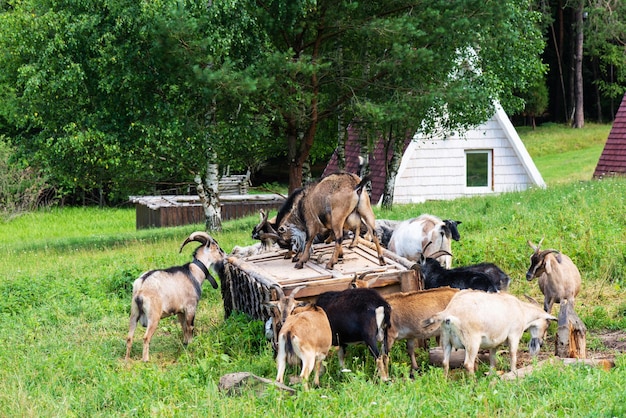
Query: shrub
x=20, y=185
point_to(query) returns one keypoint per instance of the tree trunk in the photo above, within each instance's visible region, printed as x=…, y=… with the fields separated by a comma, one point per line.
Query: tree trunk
x=396, y=147
x=208, y=194
x=571, y=335
x=579, y=115
x=342, y=133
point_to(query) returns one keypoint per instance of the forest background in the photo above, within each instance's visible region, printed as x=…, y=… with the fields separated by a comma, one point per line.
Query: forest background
x=111, y=98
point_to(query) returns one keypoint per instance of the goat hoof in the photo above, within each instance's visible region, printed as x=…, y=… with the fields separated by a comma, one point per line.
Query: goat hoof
x=299, y=265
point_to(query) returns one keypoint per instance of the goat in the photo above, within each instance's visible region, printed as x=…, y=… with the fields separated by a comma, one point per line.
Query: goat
x=469, y=277
x=305, y=335
x=161, y=293
x=477, y=320
x=358, y=315
x=334, y=203
x=409, y=310
x=558, y=277
x=411, y=238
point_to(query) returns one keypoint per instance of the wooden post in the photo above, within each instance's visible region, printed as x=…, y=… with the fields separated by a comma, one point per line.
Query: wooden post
x=571, y=335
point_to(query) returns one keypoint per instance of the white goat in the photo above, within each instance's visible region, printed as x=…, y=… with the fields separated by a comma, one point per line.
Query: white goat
x=411, y=237
x=305, y=335
x=476, y=320
x=176, y=290
x=559, y=278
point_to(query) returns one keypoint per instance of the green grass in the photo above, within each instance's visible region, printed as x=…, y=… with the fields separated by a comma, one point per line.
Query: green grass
x=65, y=281
x=563, y=154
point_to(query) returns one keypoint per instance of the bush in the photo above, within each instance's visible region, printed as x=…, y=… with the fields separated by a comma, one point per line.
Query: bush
x=20, y=186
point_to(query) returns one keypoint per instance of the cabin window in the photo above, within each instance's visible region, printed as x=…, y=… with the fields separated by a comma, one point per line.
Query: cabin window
x=478, y=168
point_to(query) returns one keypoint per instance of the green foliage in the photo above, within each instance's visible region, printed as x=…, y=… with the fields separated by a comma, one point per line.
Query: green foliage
x=113, y=98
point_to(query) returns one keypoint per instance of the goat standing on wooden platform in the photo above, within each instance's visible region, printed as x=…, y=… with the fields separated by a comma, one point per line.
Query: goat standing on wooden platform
x=161, y=293
x=335, y=203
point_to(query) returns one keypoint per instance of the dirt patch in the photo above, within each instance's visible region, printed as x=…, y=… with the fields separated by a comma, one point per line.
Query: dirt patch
x=614, y=342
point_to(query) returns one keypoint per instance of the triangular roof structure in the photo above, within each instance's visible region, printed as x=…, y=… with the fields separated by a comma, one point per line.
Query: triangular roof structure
x=436, y=168
x=613, y=158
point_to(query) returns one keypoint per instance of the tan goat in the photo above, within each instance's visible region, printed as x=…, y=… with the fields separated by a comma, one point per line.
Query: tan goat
x=409, y=310
x=558, y=276
x=305, y=336
x=161, y=293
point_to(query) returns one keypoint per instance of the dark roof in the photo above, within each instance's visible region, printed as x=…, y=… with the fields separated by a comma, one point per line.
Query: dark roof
x=613, y=158
x=377, y=164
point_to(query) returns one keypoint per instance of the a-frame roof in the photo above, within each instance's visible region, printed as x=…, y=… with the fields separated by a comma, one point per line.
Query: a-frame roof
x=613, y=158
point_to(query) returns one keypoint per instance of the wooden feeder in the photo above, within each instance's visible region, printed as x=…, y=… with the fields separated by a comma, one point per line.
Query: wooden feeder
x=251, y=282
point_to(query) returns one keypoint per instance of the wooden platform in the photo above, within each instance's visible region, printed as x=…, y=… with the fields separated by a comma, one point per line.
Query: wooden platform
x=175, y=210
x=251, y=282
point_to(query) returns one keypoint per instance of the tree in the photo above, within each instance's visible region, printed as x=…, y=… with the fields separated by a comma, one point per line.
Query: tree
x=382, y=62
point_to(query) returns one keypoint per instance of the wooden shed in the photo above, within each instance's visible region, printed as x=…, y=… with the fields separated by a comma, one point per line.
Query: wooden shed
x=170, y=210
x=249, y=283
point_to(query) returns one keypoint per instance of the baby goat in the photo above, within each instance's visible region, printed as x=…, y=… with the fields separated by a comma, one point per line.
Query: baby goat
x=305, y=335
x=176, y=290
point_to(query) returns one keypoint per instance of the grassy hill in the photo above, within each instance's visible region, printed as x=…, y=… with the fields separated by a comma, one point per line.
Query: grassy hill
x=65, y=282
x=563, y=155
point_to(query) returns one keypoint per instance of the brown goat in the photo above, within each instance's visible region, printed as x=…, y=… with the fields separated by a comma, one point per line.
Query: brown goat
x=409, y=310
x=327, y=205
x=558, y=276
x=161, y=293
x=305, y=335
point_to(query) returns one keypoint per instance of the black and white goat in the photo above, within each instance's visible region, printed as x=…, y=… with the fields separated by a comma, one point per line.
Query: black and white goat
x=358, y=315
x=161, y=293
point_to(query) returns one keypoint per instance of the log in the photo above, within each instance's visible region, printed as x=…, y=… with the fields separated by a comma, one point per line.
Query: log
x=571, y=339
x=457, y=357
x=237, y=383
x=605, y=364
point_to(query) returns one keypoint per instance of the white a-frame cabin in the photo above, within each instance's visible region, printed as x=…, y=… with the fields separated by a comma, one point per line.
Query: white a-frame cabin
x=488, y=159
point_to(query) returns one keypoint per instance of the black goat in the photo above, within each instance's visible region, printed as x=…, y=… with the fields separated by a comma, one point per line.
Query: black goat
x=358, y=315
x=499, y=278
x=468, y=277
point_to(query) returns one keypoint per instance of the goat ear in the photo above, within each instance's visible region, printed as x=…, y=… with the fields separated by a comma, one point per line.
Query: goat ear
x=548, y=265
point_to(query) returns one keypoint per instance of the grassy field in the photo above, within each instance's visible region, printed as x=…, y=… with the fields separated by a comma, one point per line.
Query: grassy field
x=66, y=275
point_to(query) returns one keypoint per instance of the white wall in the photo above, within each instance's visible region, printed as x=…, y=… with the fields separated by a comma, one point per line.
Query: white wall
x=435, y=169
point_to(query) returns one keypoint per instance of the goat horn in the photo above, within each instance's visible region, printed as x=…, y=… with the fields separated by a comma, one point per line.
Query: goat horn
x=269, y=235
x=199, y=236
x=279, y=291
x=293, y=293
x=535, y=247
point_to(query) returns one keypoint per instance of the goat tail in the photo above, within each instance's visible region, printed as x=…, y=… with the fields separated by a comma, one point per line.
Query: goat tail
x=291, y=348
x=386, y=325
x=138, y=302
x=433, y=323
x=359, y=187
